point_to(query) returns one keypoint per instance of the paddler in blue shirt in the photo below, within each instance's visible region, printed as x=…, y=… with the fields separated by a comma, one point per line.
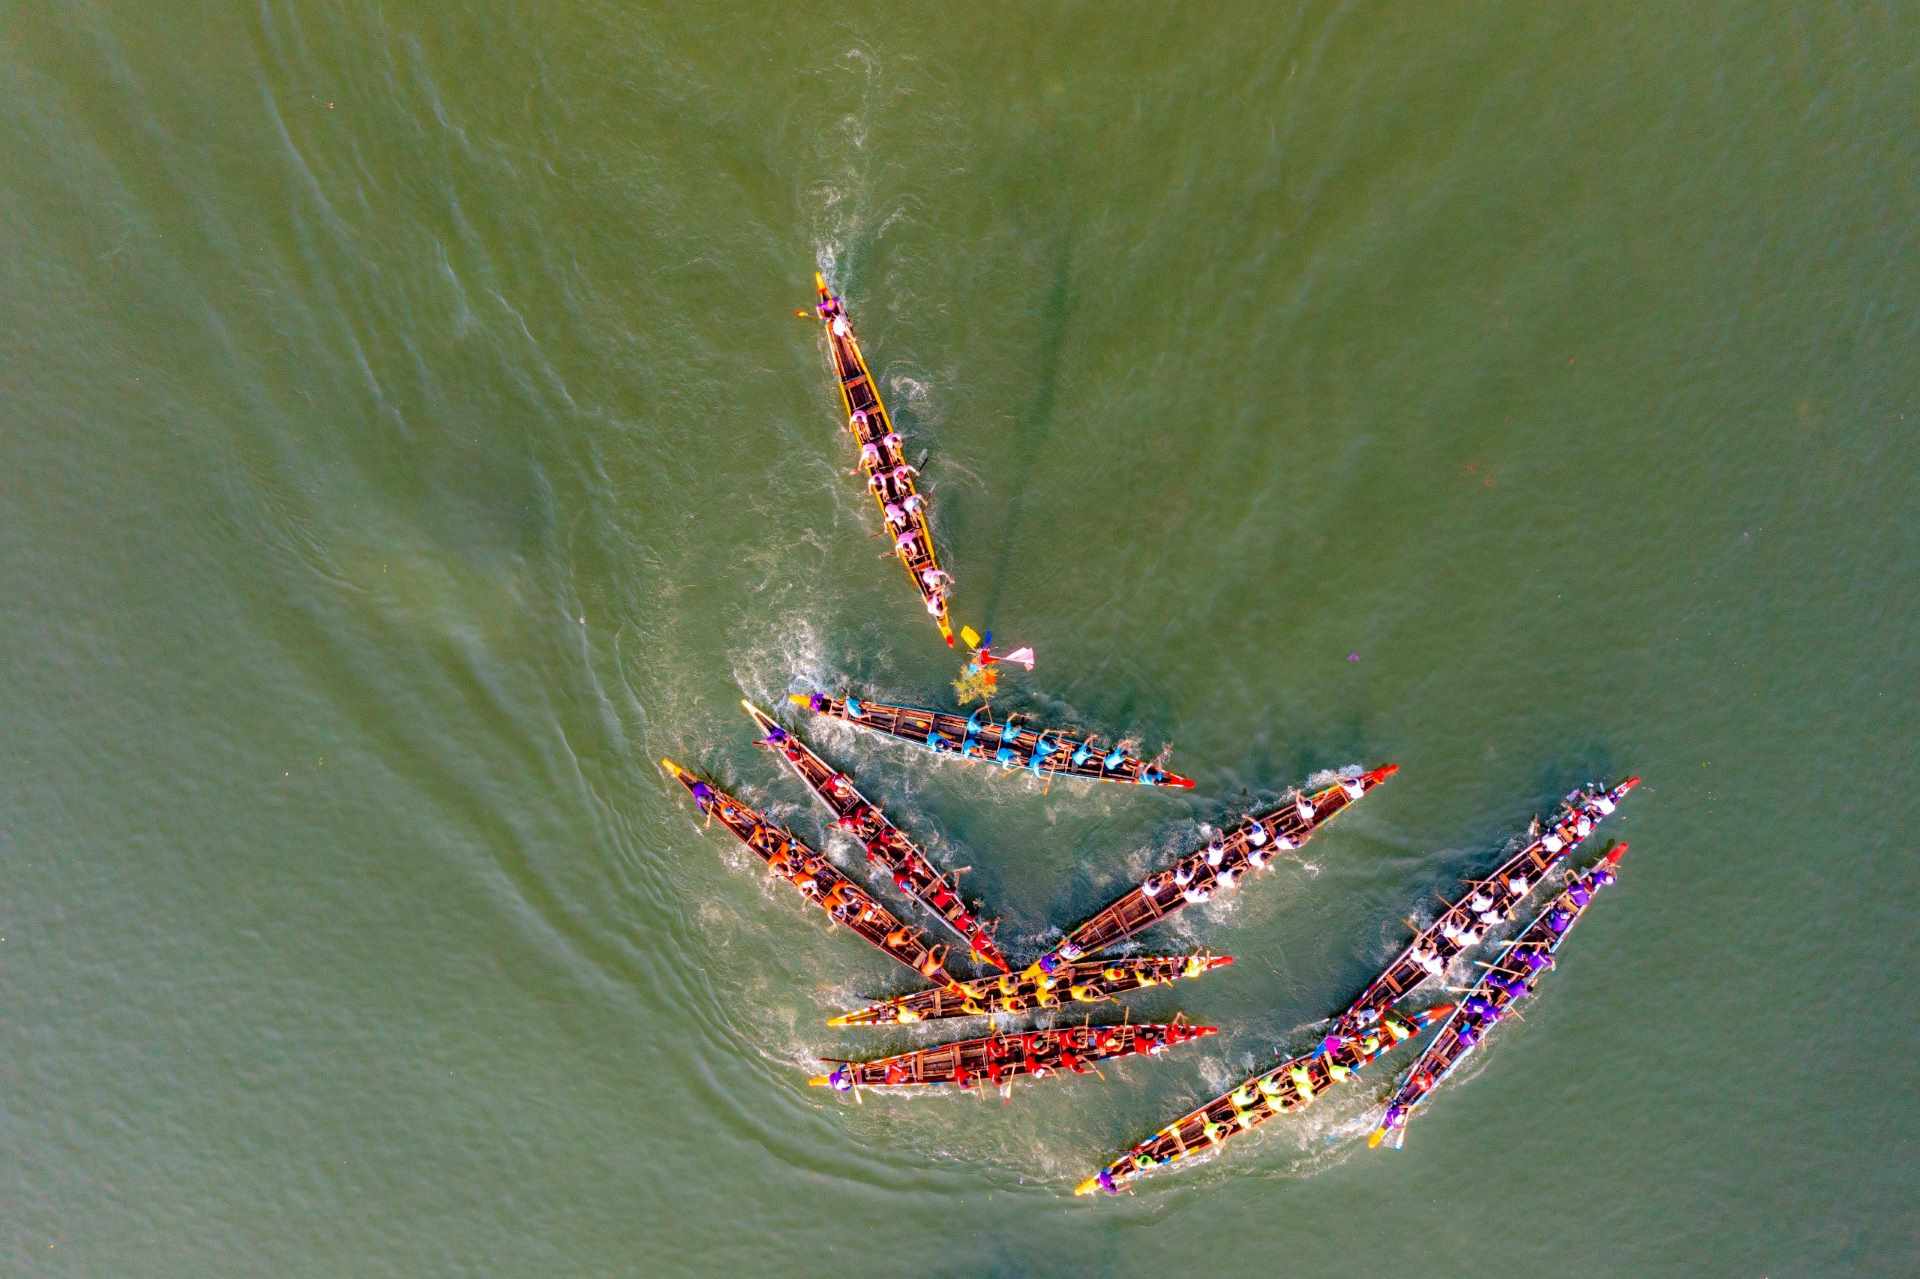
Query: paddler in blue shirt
x=1083, y=752
x=1042, y=748
x=975, y=723
x=1114, y=758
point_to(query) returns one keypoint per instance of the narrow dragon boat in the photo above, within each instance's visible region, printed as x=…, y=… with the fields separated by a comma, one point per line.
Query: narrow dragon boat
x=1045, y=753
x=1291, y=1085
x=1214, y=867
x=1504, y=984
x=890, y=477
x=886, y=845
x=1088, y=983
x=997, y=1060
x=845, y=902
x=1487, y=902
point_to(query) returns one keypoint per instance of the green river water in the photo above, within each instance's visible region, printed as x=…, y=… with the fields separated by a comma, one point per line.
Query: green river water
x=407, y=440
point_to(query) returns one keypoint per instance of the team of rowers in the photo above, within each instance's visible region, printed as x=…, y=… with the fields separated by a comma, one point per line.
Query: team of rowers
x=1002, y=1057
x=887, y=847
x=821, y=883
x=1507, y=982
x=1464, y=924
x=1251, y=846
x=890, y=478
x=1047, y=752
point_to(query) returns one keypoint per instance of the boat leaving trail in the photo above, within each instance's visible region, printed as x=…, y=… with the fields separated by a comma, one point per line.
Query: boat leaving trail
x=1044, y=753
x=1010, y=994
x=1507, y=981
x=890, y=477
x=817, y=879
x=885, y=844
x=997, y=1060
x=1214, y=867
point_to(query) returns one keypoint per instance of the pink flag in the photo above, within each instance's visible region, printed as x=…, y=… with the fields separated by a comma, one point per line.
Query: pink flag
x=1024, y=656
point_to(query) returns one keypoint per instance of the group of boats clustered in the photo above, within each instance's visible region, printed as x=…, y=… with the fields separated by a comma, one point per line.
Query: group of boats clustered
x=1071, y=972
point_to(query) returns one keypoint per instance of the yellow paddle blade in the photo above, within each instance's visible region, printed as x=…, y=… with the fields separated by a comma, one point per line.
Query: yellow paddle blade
x=971, y=636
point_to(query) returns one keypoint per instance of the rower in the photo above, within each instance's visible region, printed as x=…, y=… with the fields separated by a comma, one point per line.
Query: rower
x=902, y=473
x=1467, y=1035
x=891, y=440
x=1082, y=753
x=1353, y=786
x=1536, y=959
x=1603, y=805
x=895, y=515
x=1216, y=850
x=1578, y=892
x=935, y=742
x=981, y=941
x=1156, y=883
x=1225, y=879
x=869, y=456
x=877, y=483
x=1259, y=858
x=1552, y=842
x=817, y=703
x=914, y=502
x=975, y=722
x=906, y=540
x=840, y=326
x=1429, y=961
x=1518, y=886
x=853, y=710
x=1480, y=901
x=1042, y=750
x=932, y=964
x=1195, y=964
x=1114, y=759
x=1452, y=931
x=1583, y=826
x=1560, y=919
x=841, y=1080
x=898, y=1072
x=702, y=796
x=1303, y=806
x=1196, y=895
x=1256, y=834
x=1006, y=756
x=1602, y=876
x=1183, y=874
x=1152, y=775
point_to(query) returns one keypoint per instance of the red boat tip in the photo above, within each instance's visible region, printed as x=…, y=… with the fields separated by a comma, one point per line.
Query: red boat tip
x=1219, y=961
x=1382, y=773
x=1184, y=783
x=1629, y=784
x=1201, y=1032
x=1613, y=858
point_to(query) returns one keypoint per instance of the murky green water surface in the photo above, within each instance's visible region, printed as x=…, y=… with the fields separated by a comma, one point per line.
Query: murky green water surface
x=408, y=440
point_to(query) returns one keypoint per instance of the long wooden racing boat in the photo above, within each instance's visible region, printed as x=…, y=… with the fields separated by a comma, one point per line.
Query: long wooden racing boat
x=1089, y=983
x=890, y=477
x=845, y=902
x=886, y=845
x=997, y=1060
x=1045, y=753
x=1505, y=983
x=1489, y=901
x=1214, y=867
x=1291, y=1085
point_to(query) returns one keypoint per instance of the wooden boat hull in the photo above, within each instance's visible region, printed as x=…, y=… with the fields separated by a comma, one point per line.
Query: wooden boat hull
x=998, y=1060
x=1088, y=983
x=817, y=879
x=860, y=394
x=1292, y=1085
x=924, y=728
x=1534, y=862
x=1447, y=1049
x=1164, y=892
x=887, y=846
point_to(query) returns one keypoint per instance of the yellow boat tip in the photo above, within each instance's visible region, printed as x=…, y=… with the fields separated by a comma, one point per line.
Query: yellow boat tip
x=819, y=280
x=1088, y=1186
x=798, y=699
x=818, y=1081
x=844, y=1019
x=670, y=766
x=750, y=707
x=1374, y=1138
